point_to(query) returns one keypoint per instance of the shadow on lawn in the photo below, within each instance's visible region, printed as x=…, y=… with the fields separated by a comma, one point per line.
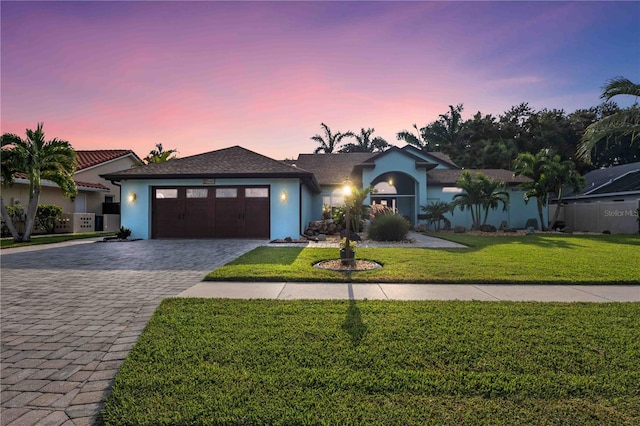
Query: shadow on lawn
x=353, y=322
x=478, y=242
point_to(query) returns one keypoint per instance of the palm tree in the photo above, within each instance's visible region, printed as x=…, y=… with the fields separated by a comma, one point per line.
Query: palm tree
x=159, y=155
x=548, y=174
x=435, y=212
x=330, y=141
x=623, y=123
x=8, y=171
x=365, y=143
x=418, y=140
x=471, y=198
x=53, y=160
x=493, y=195
x=561, y=175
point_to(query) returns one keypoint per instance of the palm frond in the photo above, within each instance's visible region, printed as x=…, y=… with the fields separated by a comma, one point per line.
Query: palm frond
x=620, y=86
x=622, y=123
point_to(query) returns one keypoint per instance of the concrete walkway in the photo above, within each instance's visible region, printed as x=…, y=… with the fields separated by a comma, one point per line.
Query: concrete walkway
x=358, y=291
x=71, y=312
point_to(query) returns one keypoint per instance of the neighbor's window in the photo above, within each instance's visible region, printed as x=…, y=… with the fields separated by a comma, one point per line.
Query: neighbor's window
x=226, y=192
x=197, y=192
x=167, y=193
x=256, y=192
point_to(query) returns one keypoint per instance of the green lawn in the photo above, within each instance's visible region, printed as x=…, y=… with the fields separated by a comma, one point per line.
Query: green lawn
x=226, y=362
x=540, y=258
x=50, y=239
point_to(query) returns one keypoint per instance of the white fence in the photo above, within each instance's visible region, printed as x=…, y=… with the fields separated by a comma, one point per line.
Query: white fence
x=615, y=217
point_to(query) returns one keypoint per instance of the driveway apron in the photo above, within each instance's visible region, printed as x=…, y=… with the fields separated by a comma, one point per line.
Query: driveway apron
x=70, y=315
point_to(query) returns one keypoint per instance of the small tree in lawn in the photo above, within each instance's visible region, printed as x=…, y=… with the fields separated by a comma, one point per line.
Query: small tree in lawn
x=53, y=160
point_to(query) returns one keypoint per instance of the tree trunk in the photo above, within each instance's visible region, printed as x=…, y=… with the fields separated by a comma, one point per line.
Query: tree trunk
x=557, y=212
x=31, y=215
x=542, y=227
x=8, y=220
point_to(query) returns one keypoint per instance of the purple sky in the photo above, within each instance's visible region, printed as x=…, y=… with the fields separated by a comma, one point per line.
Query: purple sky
x=199, y=76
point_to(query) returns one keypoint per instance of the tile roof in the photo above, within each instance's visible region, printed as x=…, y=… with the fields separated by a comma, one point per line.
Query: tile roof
x=93, y=158
x=228, y=162
x=449, y=177
x=80, y=184
x=92, y=185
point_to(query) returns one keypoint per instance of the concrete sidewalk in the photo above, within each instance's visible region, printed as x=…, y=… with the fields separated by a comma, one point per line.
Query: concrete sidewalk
x=378, y=291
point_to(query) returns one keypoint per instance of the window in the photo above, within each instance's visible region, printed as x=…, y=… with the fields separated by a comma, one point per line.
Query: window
x=197, y=192
x=226, y=192
x=166, y=193
x=109, y=199
x=453, y=189
x=256, y=192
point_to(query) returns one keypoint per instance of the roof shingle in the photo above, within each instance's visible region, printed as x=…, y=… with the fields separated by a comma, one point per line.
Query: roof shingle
x=228, y=162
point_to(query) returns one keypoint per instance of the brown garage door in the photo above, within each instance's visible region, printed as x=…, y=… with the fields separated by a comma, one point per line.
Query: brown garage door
x=211, y=212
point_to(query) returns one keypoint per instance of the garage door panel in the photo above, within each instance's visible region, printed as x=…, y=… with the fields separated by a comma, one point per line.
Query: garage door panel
x=257, y=212
x=228, y=215
x=169, y=212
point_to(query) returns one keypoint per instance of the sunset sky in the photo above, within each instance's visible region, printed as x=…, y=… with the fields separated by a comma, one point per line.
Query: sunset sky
x=200, y=76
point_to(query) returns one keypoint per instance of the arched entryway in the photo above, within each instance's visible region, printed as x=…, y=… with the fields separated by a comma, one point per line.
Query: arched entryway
x=396, y=190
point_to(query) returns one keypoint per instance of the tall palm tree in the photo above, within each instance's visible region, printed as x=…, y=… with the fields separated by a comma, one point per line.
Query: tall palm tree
x=365, y=143
x=561, y=175
x=159, y=155
x=416, y=139
x=53, y=160
x=330, y=141
x=623, y=123
x=493, y=195
x=548, y=174
x=471, y=198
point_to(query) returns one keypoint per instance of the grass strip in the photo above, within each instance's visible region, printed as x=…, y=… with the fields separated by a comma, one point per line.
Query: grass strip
x=50, y=239
x=532, y=259
x=231, y=362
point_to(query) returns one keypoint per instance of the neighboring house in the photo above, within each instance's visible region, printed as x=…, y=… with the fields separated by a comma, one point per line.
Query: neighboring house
x=95, y=194
x=608, y=202
x=237, y=193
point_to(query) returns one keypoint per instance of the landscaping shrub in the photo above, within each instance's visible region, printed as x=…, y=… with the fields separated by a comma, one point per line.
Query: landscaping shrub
x=123, y=233
x=46, y=217
x=389, y=227
x=16, y=213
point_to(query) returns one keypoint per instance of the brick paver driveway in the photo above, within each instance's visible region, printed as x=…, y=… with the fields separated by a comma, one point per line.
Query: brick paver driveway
x=70, y=315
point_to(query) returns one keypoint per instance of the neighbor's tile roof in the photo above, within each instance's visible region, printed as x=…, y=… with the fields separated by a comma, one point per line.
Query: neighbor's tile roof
x=228, y=162
x=449, y=177
x=78, y=183
x=331, y=169
x=92, y=158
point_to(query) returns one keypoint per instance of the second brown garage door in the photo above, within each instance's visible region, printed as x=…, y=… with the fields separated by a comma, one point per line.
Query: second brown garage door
x=211, y=212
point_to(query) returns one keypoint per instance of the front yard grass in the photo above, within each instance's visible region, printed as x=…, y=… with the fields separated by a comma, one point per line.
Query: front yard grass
x=232, y=362
x=50, y=239
x=531, y=259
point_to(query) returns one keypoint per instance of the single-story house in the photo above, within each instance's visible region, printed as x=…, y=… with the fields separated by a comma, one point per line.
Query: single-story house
x=608, y=201
x=237, y=193
x=95, y=195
